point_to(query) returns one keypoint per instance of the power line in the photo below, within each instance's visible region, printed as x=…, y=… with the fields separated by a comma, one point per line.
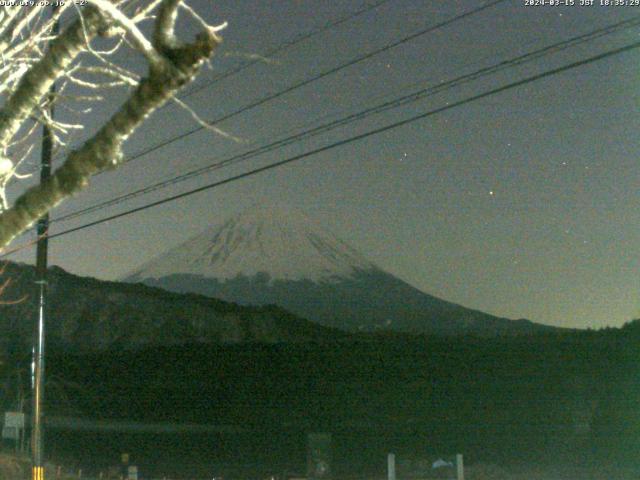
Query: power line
x=401, y=101
x=354, y=61
x=317, y=77
x=285, y=46
x=280, y=48
x=361, y=136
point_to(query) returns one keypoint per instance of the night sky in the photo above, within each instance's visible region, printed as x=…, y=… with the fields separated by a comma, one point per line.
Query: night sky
x=523, y=204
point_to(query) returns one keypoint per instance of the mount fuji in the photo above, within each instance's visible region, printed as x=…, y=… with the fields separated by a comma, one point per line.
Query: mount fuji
x=276, y=255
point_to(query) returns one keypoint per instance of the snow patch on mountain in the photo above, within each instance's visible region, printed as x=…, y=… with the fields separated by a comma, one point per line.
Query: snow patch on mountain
x=275, y=240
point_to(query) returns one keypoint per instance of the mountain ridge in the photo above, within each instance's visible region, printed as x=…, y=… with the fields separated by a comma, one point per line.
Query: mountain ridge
x=87, y=314
x=279, y=240
x=275, y=255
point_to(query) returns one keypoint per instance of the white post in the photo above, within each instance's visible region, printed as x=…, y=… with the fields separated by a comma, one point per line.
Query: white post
x=459, y=467
x=391, y=466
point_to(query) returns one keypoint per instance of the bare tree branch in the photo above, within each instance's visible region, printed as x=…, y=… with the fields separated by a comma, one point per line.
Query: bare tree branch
x=35, y=84
x=180, y=63
x=4, y=285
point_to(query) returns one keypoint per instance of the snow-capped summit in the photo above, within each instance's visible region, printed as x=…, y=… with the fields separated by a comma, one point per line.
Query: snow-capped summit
x=273, y=254
x=275, y=240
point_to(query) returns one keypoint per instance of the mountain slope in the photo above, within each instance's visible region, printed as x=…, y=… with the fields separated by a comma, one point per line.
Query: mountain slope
x=276, y=240
x=276, y=255
x=85, y=314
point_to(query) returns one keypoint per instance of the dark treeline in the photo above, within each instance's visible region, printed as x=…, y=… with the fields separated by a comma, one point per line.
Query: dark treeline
x=571, y=396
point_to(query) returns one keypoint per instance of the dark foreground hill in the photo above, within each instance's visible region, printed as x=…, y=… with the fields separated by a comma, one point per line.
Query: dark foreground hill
x=85, y=314
x=546, y=398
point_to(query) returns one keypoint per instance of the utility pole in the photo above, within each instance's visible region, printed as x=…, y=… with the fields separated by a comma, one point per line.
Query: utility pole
x=37, y=450
x=41, y=281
